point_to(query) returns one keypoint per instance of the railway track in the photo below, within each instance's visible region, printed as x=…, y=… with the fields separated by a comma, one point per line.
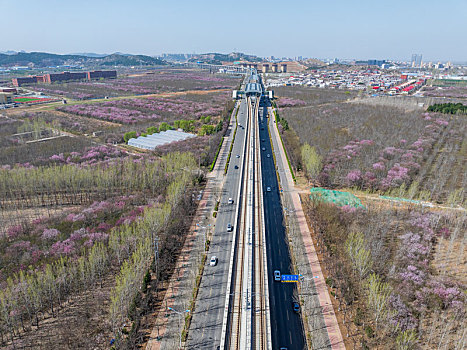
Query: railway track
x=249, y=308
x=240, y=299
x=260, y=273
x=246, y=318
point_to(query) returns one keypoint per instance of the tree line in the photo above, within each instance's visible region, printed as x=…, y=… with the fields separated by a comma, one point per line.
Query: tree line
x=448, y=108
x=379, y=272
x=28, y=295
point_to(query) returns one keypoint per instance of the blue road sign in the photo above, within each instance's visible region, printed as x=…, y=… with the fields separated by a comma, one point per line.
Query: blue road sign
x=289, y=278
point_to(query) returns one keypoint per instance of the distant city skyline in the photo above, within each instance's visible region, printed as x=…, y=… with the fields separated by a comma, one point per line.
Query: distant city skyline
x=360, y=30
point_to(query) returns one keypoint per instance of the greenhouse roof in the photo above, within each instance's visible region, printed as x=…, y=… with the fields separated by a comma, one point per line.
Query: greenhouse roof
x=158, y=139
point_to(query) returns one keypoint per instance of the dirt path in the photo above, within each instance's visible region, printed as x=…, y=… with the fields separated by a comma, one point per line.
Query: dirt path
x=405, y=202
x=163, y=94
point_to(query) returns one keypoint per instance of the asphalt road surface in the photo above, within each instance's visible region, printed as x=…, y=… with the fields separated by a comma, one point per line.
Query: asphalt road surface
x=286, y=325
x=206, y=325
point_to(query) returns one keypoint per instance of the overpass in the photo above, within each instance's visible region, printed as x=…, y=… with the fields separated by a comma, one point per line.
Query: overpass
x=233, y=69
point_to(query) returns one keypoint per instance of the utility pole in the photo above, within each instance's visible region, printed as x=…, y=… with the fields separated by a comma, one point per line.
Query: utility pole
x=179, y=313
x=156, y=255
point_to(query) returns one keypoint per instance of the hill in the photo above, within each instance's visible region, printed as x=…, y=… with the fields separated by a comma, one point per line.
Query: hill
x=43, y=59
x=218, y=58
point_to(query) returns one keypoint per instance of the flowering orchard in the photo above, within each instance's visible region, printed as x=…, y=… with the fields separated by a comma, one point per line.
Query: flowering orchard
x=47, y=239
x=165, y=80
x=154, y=109
x=380, y=265
x=46, y=262
x=446, y=92
x=382, y=148
x=67, y=184
x=290, y=102
x=296, y=96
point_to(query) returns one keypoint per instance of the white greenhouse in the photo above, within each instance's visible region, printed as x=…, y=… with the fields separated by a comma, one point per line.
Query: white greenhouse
x=164, y=137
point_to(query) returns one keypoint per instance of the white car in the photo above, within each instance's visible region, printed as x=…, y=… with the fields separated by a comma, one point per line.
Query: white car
x=268, y=189
x=229, y=227
x=277, y=275
x=213, y=261
x=230, y=201
x=238, y=155
x=269, y=156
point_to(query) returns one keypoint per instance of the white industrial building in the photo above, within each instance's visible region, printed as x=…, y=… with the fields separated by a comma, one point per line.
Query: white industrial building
x=150, y=142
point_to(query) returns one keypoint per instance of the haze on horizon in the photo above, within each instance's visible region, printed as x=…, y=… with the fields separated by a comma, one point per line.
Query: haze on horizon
x=343, y=29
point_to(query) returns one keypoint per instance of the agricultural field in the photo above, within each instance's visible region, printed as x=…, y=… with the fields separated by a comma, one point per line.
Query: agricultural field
x=53, y=261
x=406, y=152
x=396, y=269
x=300, y=96
x=83, y=127
x=446, y=92
x=152, y=109
x=153, y=82
x=391, y=288
x=31, y=142
x=80, y=210
x=76, y=125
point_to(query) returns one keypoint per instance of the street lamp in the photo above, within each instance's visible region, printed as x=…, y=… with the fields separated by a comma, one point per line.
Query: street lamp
x=179, y=313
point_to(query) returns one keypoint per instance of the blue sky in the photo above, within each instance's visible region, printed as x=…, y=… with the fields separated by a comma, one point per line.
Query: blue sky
x=345, y=29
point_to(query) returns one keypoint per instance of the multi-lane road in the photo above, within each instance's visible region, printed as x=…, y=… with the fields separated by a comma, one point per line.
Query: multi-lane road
x=286, y=325
x=223, y=315
x=206, y=327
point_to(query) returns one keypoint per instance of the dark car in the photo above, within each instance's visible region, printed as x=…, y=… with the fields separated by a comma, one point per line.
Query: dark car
x=236, y=166
x=296, y=306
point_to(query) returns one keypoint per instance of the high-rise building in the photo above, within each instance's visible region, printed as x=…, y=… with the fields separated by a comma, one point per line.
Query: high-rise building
x=416, y=60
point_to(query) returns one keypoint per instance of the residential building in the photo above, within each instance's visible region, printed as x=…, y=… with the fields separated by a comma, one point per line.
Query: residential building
x=6, y=98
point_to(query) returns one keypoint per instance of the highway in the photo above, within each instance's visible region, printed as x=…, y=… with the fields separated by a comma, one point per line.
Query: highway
x=286, y=325
x=206, y=327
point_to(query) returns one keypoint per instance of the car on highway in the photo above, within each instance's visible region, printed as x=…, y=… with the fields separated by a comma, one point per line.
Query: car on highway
x=213, y=261
x=268, y=189
x=296, y=306
x=236, y=166
x=264, y=148
x=229, y=227
x=277, y=275
x=269, y=156
x=230, y=201
x=238, y=156
x=262, y=140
